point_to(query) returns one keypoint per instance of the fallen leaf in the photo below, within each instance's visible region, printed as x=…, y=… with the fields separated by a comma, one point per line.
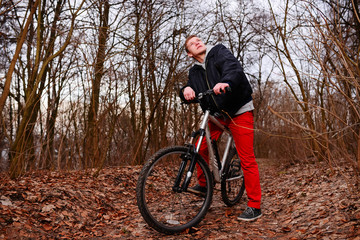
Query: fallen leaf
x=228, y=212
x=47, y=227
x=286, y=229
x=48, y=208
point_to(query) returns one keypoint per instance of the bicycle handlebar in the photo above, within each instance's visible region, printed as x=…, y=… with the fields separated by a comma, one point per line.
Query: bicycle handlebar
x=211, y=92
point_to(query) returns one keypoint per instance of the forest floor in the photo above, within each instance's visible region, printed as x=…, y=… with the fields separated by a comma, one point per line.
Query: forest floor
x=299, y=202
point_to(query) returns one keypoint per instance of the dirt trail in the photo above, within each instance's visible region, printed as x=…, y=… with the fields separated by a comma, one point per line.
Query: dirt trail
x=299, y=202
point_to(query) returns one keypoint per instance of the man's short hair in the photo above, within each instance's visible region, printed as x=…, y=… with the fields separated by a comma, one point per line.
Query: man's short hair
x=188, y=39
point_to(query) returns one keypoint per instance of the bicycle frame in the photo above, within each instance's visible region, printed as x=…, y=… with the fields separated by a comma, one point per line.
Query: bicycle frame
x=205, y=132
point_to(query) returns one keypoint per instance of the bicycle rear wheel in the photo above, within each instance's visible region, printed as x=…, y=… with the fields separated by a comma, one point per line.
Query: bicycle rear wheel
x=164, y=209
x=232, y=182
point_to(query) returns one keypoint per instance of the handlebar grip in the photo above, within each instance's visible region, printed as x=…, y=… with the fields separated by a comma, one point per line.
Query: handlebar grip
x=227, y=89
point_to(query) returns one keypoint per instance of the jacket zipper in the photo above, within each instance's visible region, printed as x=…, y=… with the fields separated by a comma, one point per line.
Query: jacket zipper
x=208, y=84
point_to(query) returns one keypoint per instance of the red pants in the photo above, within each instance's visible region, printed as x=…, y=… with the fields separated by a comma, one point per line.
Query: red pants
x=242, y=130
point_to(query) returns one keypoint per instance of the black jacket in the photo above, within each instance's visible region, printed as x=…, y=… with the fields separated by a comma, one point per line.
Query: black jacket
x=221, y=66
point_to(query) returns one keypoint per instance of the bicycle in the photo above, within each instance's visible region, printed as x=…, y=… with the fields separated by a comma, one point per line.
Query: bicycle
x=162, y=190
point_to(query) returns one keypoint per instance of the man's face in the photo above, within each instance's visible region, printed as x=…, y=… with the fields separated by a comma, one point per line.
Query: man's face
x=195, y=47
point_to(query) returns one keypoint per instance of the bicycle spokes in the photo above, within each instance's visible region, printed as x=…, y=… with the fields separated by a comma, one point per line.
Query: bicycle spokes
x=164, y=205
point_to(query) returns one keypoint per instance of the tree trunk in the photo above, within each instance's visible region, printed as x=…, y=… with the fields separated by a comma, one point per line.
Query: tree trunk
x=92, y=150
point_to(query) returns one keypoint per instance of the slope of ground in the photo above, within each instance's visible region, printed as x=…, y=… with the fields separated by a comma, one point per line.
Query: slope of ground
x=299, y=202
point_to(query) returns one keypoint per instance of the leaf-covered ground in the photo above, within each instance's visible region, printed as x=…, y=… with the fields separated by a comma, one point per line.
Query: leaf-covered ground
x=299, y=202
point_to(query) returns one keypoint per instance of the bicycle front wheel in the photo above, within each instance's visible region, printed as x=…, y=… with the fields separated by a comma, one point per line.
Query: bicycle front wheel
x=165, y=209
x=232, y=182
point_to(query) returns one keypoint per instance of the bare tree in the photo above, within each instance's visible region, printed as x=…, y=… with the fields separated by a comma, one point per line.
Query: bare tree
x=21, y=40
x=316, y=43
x=338, y=31
x=22, y=149
x=91, y=145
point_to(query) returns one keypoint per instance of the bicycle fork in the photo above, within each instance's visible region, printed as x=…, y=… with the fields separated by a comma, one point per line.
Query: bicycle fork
x=190, y=155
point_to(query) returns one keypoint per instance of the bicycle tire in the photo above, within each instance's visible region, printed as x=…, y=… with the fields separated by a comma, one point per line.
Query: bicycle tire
x=162, y=208
x=232, y=181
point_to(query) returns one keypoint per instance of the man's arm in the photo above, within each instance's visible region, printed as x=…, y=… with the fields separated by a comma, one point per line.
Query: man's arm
x=232, y=71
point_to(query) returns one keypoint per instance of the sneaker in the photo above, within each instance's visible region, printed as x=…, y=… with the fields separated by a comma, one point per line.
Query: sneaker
x=250, y=214
x=199, y=190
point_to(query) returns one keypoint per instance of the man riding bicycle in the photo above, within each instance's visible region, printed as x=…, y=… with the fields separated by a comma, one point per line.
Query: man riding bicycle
x=217, y=68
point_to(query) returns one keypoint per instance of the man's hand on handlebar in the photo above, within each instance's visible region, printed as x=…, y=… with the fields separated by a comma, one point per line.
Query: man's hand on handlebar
x=189, y=94
x=220, y=88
